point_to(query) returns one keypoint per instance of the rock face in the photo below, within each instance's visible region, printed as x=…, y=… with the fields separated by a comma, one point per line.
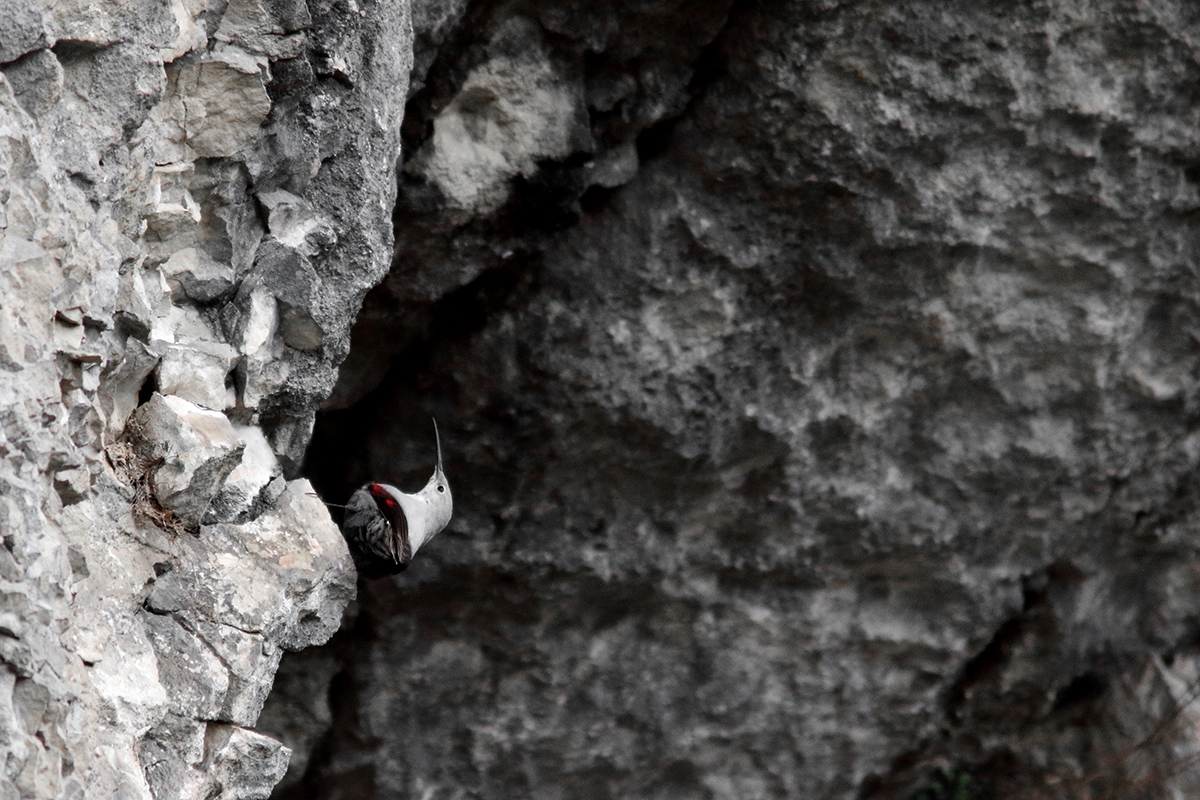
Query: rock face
x=194, y=198
x=818, y=383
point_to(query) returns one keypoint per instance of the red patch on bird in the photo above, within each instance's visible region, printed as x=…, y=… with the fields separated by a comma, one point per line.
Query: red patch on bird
x=379, y=493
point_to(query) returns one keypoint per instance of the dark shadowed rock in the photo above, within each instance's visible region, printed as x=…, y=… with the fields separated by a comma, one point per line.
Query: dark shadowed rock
x=844, y=434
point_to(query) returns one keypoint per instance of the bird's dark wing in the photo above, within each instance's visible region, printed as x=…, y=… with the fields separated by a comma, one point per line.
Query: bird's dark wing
x=376, y=531
x=401, y=553
x=367, y=531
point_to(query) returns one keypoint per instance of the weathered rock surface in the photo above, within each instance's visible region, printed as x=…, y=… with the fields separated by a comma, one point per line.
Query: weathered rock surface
x=157, y=374
x=187, y=453
x=819, y=378
x=819, y=387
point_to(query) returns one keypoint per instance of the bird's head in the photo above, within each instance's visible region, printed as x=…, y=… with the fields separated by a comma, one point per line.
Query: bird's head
x=436, y=494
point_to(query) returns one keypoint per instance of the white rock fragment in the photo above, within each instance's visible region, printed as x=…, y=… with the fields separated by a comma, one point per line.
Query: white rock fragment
x=196, y=372
x=72, y=485
x=120, y=383
x=192, y=274
x=245, y=761
x=513, y=111
x=263, y=318
x=171, y=203
x=126, y=676
x=226, y=103
x=136, y=305
x=286, y=575
x=198, y=448
x=294, y=222
x=259, y=466
x=262, y=371
x=190, y=36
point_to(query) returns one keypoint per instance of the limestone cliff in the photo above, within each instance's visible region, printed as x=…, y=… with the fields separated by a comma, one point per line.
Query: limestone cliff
x=818, y=383
x=194, y=197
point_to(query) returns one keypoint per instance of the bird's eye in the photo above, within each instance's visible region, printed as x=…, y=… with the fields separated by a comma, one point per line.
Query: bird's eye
x=441, y=488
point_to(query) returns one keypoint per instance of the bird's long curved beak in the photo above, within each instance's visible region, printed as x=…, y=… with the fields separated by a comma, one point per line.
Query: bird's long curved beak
x=438, y=436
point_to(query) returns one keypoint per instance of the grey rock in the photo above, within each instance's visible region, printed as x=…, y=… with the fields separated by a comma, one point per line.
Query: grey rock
x=286, y=575
x=265, y=27
x=225, y=102
x=121, y=382
x=197, y=276
x=191, y=451
x=512, y=111
x=300, y=711
x=433, y=21
x=251, y=660
x=296, y=224
x=263, y=371
x=275, y=308
x=289, y=275
x=72, y=484
x=24, y=27
x=153, y=25
x=37, y=81
x=184, y=758
x=169, y=755
x=615, y=167
x=197, y=372
x=198, y=679
x=114, y=86
x=247, y=485
x=244, y=765
x=134, y=139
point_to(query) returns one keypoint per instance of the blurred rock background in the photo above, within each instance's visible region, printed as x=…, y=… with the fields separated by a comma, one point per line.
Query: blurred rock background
x=818, y=387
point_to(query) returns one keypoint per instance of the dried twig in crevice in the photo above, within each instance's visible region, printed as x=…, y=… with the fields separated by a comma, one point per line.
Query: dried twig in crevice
x=137, y=472
x=1116, y=768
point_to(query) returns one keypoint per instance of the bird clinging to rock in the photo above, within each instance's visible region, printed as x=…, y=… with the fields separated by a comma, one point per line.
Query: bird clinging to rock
x=384, y=526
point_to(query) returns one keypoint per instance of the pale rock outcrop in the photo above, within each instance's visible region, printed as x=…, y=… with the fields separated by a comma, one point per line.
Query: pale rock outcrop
x=513, y=110
x=186, y=452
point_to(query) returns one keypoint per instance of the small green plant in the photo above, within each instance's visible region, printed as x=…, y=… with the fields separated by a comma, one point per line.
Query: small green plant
x=956, y=784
